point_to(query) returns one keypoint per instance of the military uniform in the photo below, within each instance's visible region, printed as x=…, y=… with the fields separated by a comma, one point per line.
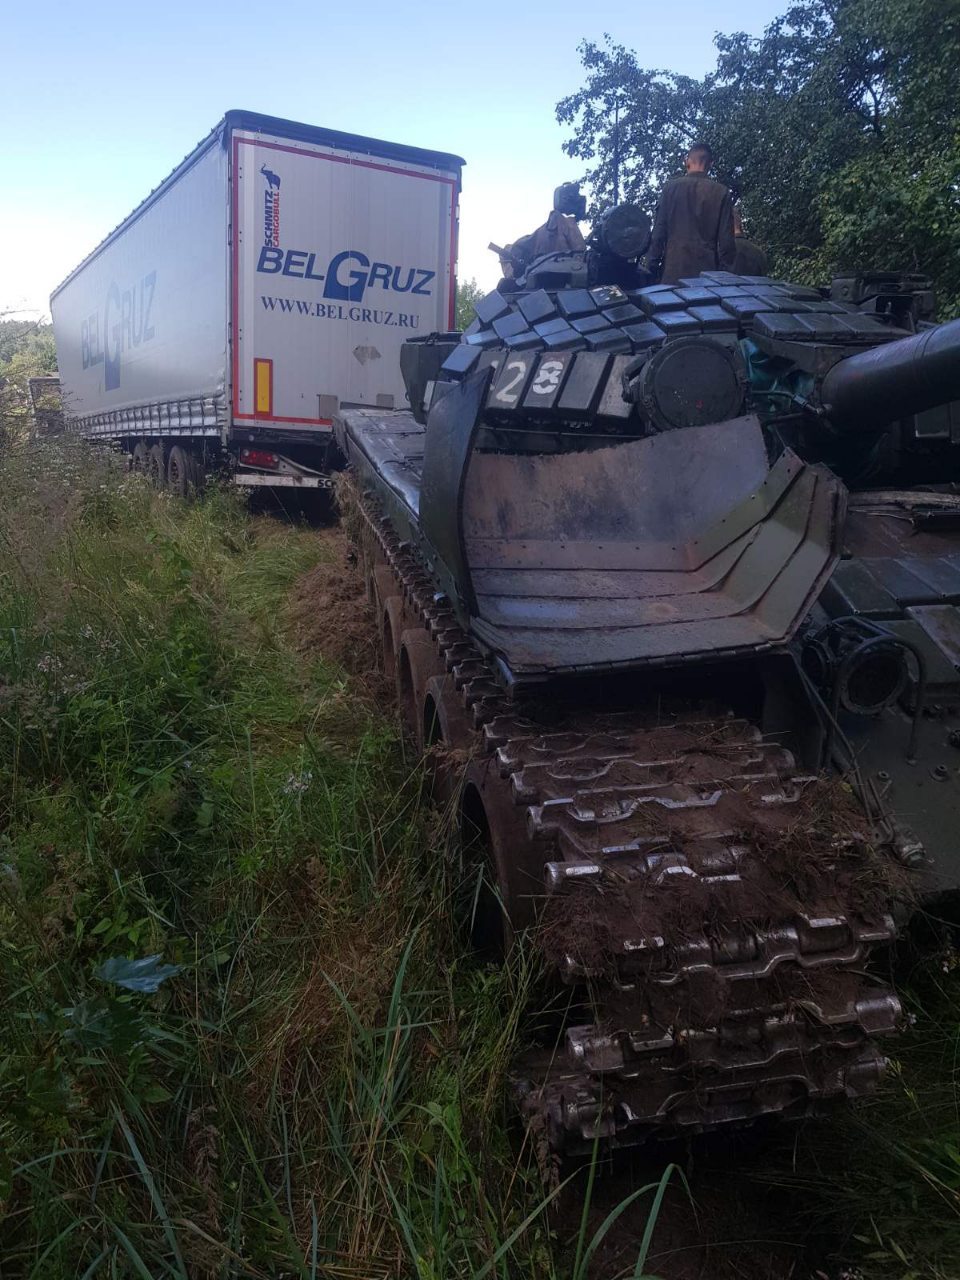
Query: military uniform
x=693, y=229
x=558, y=234
x=750, y=259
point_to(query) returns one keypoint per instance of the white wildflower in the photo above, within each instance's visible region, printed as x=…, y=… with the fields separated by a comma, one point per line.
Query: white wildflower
x=297, y=783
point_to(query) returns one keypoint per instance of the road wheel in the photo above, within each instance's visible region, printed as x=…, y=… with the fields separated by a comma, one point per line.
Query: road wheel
x=394, y=621
x=369, y=586
x=157, y=466
x=182, y=473
x=384, y=585
x=503, y=870
x=447, y=736
x=373, y=561
x=417, y=661
x=140, y=456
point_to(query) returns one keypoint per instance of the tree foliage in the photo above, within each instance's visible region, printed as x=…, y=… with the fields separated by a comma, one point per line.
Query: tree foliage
x=469, y=294
x=839, y=127
x=26, y=351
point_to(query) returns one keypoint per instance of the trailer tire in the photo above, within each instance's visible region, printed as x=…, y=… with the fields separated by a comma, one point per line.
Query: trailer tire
x=140, y=456
x=199, y=473
x=157, y=466
x=182, y=473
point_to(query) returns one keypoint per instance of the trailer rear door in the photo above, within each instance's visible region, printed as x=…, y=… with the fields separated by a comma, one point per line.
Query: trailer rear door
x=337, y=258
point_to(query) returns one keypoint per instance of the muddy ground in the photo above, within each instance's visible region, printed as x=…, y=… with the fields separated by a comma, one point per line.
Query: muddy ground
x=737, y=1218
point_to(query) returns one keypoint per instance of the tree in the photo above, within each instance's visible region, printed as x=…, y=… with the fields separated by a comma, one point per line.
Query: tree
x=469, y=294
x=26, y=351
x=659, y=117
x=839, y=128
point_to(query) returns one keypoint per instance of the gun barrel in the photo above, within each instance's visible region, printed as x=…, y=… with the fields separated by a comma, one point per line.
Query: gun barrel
x=895, y=380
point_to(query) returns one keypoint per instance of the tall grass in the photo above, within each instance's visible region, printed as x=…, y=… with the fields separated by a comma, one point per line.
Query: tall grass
x=882, y=1182
x=309, y=1079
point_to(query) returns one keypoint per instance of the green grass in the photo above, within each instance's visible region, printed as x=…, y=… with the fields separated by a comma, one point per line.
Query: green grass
x=316, y=1085
x=882, y=1181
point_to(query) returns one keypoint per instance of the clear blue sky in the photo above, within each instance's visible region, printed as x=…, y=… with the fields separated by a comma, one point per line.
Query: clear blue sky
x=101, y=100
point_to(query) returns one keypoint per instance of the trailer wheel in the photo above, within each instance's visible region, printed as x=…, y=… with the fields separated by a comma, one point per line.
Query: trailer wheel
x=157, y=466
x=182, y=473
x=140, y=456
x=196, y=473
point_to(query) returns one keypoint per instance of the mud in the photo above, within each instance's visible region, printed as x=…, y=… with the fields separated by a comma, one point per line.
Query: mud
x=811, y=857
x=330, y=614
x=720, y=1218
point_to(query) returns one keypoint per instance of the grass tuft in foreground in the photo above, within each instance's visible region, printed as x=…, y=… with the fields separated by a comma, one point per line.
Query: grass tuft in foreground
x=880, y=1184
x=288, y=1088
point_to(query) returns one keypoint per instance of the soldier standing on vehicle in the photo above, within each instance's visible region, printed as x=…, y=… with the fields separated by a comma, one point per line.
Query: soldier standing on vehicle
x=750, y=259
x=559, y=234
x=693, y=229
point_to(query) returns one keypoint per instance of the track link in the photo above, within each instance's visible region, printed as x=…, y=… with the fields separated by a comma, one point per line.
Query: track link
x=711, y=909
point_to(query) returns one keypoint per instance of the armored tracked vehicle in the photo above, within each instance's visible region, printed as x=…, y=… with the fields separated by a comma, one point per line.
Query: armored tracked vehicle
x=669, y=581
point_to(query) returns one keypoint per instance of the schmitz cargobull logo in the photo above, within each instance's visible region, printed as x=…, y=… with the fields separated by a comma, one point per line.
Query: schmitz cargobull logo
x=271, y=207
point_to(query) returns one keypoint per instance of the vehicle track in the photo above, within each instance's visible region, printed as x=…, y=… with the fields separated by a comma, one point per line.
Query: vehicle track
x=711, y=909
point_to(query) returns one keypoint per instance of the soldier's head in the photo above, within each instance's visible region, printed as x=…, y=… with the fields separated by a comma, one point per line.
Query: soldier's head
x=699, y=158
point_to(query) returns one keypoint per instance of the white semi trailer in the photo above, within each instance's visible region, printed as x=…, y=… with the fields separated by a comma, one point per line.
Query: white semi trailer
x=271, y=278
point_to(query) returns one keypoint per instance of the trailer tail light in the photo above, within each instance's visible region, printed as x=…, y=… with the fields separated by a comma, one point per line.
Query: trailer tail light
x=263, y=388
x=259, y=458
